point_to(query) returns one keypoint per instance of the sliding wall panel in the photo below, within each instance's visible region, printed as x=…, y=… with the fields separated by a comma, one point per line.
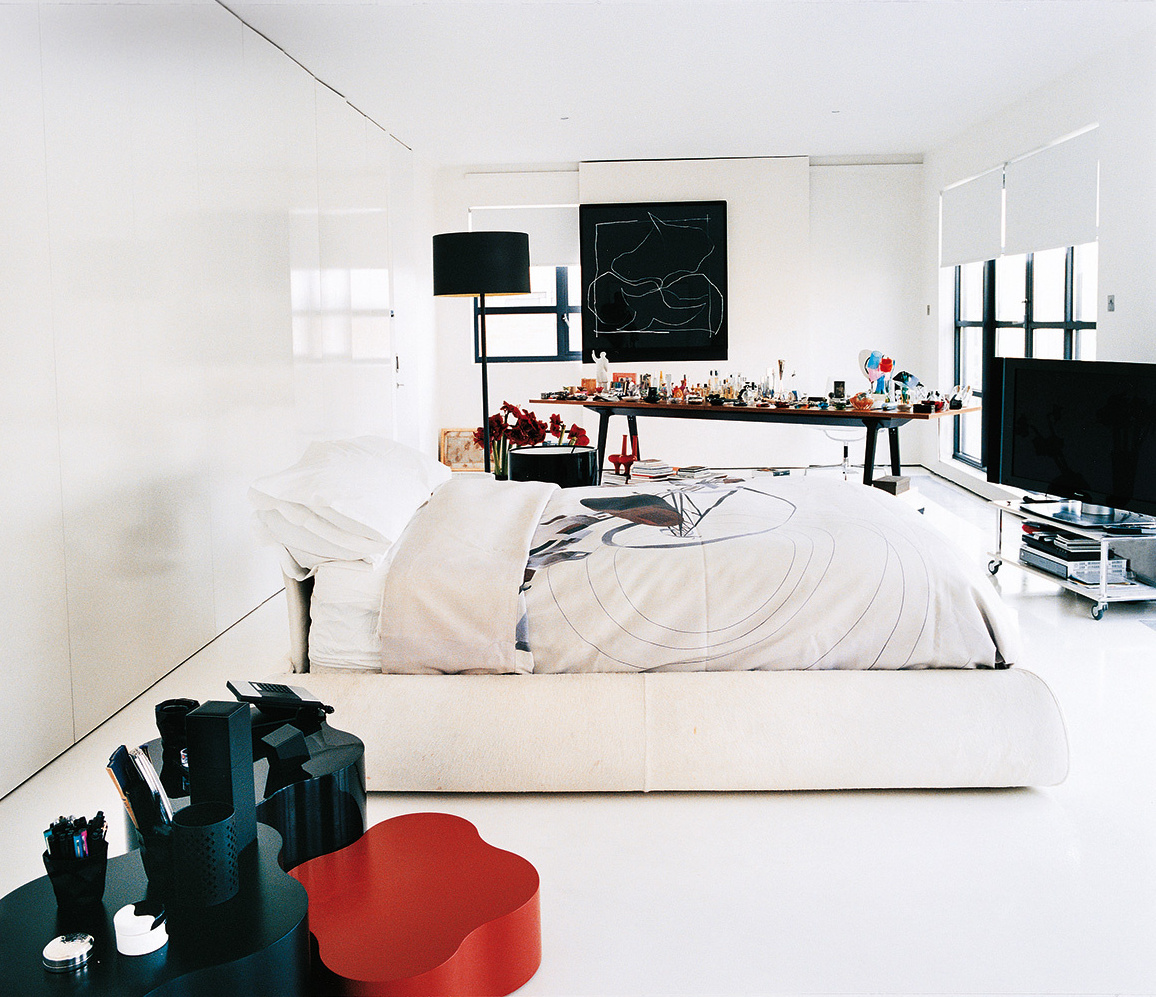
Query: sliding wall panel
x=413, y=305
x=189, y=296
x=177, y=614
x=35, y=681
x=345, y=375
x=252, y=424
x=117, y=524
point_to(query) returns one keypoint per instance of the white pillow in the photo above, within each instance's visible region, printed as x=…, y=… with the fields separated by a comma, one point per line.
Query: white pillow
x=356, y=495
x=343, y=614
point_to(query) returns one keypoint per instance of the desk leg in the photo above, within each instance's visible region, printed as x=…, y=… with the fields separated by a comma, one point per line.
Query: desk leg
x=893, y=440
x=869, y=450
x=632, y=428
x=603, y=426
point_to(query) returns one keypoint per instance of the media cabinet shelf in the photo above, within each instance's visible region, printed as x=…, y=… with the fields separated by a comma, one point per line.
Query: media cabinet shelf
x=1101, y=593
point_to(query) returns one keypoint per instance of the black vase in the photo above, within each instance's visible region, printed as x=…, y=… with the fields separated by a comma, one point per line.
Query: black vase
x=569, y=467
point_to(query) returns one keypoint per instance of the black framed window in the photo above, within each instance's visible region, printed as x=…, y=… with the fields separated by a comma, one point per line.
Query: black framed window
x=536, y=326
x=1034, y=305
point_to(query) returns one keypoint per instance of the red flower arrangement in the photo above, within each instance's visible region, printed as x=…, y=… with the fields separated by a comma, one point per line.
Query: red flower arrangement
x=512, y=427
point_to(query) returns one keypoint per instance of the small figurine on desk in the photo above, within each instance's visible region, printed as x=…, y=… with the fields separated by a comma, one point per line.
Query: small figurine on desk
x=601, y=369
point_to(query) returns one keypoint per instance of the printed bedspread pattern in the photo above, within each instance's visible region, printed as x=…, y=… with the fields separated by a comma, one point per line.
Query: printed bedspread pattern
x=695, y=576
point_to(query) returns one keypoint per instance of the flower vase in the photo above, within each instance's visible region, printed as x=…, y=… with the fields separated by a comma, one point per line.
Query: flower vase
x=500, y=458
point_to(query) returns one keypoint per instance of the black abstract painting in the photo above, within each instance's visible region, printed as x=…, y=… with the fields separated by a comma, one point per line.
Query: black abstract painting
x=654, y=280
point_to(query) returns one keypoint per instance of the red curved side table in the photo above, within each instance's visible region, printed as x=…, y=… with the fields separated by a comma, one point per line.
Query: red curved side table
x=421, y=905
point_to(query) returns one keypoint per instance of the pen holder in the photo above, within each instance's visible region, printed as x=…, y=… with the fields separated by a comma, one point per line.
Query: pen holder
x=204, y=840
x=78, y=882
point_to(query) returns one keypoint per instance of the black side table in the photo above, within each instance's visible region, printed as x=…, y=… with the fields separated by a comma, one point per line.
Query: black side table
x=255, y=943
x=317, y=809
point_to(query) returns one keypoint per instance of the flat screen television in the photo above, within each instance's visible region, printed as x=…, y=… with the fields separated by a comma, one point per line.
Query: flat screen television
x=1081, y=432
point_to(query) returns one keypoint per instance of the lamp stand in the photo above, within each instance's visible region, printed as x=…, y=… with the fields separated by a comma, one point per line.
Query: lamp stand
x=485, y=383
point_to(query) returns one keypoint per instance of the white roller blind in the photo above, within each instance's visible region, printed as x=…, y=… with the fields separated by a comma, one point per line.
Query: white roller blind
x=1052, y=196
x=970, y=216
x=553, y=230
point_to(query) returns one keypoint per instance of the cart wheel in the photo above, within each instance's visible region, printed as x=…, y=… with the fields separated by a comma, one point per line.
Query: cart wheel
x=1098, y=610
x=993, y=566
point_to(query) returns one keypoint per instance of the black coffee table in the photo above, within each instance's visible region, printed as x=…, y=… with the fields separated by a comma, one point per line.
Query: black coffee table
x=256, y=943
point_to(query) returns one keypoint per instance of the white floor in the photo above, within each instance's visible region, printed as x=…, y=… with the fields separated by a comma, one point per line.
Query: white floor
x=1048, y=891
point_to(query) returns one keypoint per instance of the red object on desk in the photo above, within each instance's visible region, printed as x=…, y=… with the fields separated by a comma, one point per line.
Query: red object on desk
x=622, y=461
x=420, y=904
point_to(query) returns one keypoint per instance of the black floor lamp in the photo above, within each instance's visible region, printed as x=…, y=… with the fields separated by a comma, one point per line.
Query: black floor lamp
x=474, y=264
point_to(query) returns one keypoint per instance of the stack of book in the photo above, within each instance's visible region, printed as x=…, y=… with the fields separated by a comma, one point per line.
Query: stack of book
x=1068, y=555
x=650, y=469
x=694, y=471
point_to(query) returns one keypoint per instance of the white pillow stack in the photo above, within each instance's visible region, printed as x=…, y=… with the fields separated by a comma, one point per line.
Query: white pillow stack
x=344, y=500
x=335, y=514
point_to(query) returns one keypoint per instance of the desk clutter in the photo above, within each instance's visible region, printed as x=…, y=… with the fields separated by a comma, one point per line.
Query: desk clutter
x=888, y=389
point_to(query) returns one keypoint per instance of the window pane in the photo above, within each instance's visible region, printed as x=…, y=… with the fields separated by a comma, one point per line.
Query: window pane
x=1010, y=287
x=971, y=292
x=521, y=335
x=1085, y=348
x=1009, y=342
x=971, y=357
x=1048, y=285
x=574, y=283
x=1086, y=281
x=543, y=292
x=970, y=434
x=1048, y=344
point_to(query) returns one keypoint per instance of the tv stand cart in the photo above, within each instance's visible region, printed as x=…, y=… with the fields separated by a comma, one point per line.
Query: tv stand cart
x=1101, y=593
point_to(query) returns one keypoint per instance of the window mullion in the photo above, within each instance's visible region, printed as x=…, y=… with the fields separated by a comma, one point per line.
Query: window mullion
x=1069, y=302
x=1029, y=306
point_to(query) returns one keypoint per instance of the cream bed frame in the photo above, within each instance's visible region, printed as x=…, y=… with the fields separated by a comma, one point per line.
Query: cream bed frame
x=756, y=730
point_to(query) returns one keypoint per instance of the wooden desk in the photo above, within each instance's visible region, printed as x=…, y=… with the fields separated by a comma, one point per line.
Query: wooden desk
x=871, y=419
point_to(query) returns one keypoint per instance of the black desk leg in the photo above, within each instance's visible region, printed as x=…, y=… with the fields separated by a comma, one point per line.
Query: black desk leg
x=869, y=450
x=603, y=426
x=632, y=428
x=893, y=439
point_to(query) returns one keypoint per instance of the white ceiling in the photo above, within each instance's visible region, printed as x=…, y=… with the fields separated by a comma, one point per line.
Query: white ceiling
x=562, y=81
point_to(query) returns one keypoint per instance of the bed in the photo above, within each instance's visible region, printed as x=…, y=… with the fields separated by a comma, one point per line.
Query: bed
x=765, y=634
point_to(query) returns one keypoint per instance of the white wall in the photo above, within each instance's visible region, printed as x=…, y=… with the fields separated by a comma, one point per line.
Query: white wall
x=190, y=231
x=823, y=262
x=867, y=286
x=1118, y=92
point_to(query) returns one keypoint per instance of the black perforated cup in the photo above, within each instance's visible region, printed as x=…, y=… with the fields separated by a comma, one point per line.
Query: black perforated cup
x=204, y=848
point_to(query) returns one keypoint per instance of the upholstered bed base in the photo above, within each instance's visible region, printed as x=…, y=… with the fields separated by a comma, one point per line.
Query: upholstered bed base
x=754, y=730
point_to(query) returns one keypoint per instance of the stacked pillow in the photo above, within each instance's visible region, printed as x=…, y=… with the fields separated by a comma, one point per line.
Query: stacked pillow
x=334, y=515
x=344, y=500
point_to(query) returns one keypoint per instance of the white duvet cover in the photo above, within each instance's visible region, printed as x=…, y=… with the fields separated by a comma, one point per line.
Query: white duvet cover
x=694, y=576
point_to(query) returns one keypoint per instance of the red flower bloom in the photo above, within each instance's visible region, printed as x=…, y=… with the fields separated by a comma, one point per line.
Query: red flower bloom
x=577, y=437
x=521, y=428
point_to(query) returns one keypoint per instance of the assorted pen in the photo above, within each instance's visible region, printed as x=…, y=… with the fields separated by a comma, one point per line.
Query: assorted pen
x=73, y=837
